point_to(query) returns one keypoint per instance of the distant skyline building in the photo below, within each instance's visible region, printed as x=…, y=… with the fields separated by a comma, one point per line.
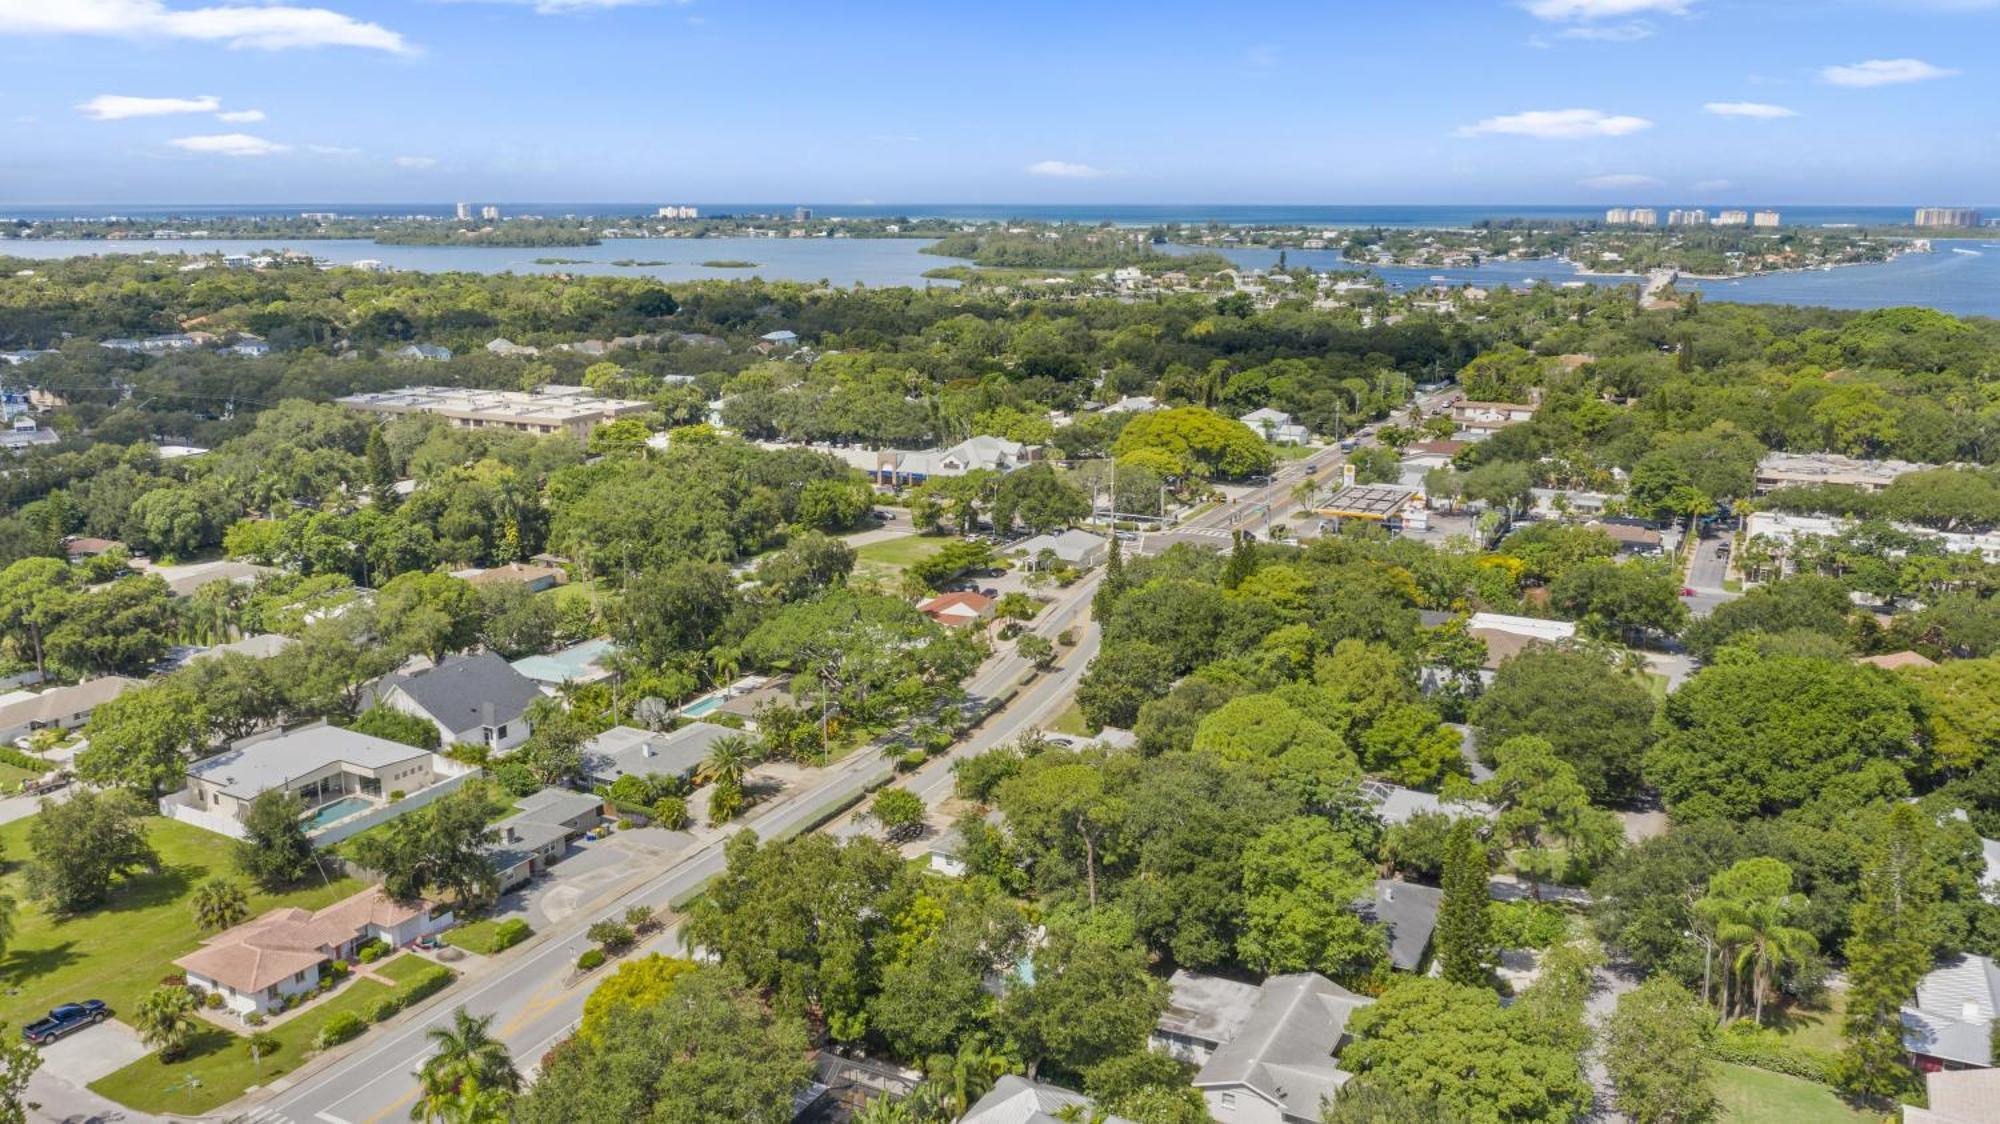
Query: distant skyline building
x=1693, y=217
x=1948, y=216
x=1618, y=216
x=802, y=214
x=1765, y=219
x=464, y=212
x=1732, y=218
x=1645, y=216
x=490, y=213
x=677, y=212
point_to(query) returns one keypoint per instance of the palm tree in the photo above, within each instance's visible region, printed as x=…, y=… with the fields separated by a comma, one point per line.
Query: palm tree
x=469, y=1103
x=467, y=1057
x=166, y=1020
x=1751, y=906
x=968, y=1075
x=729, y=758
x=260, y=1044
x=218, y=904
x=885, y=1110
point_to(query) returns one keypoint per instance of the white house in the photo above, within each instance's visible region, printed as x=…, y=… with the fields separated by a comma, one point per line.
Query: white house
x=61, y=708
x=1079, y=549
x=1276, y=426
x=1017, y=1100
x=1266, y=1052
x=479, y=699
x=255, y=965
x=337, y=773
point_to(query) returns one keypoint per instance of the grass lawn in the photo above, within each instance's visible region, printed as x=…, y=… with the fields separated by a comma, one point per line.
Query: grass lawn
x=1815, y=1028
x=120, y=950
x=1070, y=721
x=403, y=968
x=894, y=555
x=1657, y=684
x=218, y=1069
x=1291, y=452
x=1756, y=1096
x=476, y=936
x=11, y=776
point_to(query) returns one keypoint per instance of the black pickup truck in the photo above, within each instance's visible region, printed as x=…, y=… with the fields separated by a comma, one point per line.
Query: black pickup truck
x=65, y=1019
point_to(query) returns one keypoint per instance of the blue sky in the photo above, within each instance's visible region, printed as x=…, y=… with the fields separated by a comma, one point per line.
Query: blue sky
x=1330, y=101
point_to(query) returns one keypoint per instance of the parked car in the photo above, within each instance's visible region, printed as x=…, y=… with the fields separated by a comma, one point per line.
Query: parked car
x=65, y=1020
x=1686, y=592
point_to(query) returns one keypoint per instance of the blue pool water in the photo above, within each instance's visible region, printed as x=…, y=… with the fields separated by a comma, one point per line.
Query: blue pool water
x=700, y=707
x=338, y=810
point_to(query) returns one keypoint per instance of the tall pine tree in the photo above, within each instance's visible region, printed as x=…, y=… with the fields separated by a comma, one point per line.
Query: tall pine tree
x=1114, y=583
x=1464, y=939
x=381, y=473
x=1242, y=561
x=1888, y=953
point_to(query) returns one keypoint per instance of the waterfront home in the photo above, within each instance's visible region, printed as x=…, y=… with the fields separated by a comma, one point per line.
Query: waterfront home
x=255, y=966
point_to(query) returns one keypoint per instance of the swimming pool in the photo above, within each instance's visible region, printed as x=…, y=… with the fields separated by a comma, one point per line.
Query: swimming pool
x=338, y=810
x=703, y=706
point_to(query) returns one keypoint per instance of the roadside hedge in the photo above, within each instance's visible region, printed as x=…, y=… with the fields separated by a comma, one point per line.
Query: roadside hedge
x=1746, y=1044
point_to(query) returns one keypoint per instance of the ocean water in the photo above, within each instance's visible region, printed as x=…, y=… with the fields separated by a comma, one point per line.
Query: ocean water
x=1123, y=214
x=1962, y=277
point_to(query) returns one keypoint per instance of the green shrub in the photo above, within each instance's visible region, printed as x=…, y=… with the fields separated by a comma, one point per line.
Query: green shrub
x=1526, y=924
x=591, y=958
x=11, y=756
x=342, y=1027
x=372, y=951
x=427, y=985
x=254, y=1018
x=385, y=1010
x=211, y=999
x=613, y=935
x=509, y=933
x=1744, y=1043
x=671, y=812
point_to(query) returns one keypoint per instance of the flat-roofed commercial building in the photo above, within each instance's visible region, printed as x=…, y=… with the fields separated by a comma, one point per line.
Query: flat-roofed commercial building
x=1782, y=470
x=552, y=409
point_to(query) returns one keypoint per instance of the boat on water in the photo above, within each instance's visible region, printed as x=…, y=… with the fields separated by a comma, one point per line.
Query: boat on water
x=1968, y=253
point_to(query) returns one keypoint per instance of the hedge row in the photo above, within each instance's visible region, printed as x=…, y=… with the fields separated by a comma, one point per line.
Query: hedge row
x=420, y=988
x=1747, y=1045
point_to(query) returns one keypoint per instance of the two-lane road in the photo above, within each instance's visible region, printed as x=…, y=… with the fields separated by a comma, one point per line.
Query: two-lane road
x=524, y=990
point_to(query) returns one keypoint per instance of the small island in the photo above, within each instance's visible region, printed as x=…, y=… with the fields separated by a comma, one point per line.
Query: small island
x=636, y=263
x=560, y=261
x=728, y=263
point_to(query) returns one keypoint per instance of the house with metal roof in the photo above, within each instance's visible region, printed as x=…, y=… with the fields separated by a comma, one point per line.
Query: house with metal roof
x=1080, y=549
x=1950, y=1026
x=1408, y=914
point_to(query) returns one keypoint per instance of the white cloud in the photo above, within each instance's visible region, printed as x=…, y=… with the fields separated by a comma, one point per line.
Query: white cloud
x=1566, y=11
x=241, y=116
x=268, y=27
x=1619, y=180
x=416, y=161
x=118, y=107
x=1757, y=109
x=230, y=144
x=1884, y=72
x=1615, y=33
x=1714, y=185
x=570, y=7
x=1557, y=124
x=1063, y=169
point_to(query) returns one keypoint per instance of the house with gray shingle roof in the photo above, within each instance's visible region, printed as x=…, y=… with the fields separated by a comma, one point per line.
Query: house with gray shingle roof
x=478, y=698
x=1951, y=1023
x=1270, y=1049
